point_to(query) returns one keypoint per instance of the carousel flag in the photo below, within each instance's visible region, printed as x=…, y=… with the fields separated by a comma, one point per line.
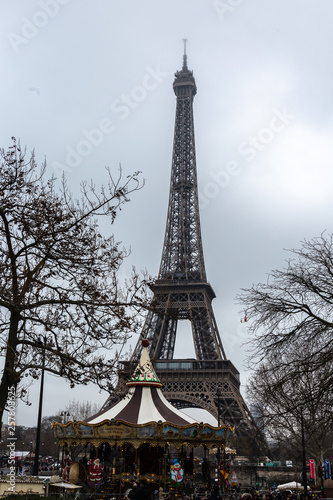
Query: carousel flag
x=224, y=470
x=312, y=468
x=327, y=469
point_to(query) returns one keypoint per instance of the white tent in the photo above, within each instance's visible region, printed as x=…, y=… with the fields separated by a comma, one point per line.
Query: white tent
x=291, y=486
x=68, y=486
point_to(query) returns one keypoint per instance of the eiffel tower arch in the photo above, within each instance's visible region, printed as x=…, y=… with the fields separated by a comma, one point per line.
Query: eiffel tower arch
x=181, y=292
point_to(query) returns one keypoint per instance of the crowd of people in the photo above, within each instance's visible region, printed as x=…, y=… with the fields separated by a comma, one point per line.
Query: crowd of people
x=141, y=492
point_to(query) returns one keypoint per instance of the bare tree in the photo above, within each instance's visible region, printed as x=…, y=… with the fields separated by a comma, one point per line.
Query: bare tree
x=80, y=410
x=283, y=402
x=295, y=308
x=290, y=321
x=61, y=304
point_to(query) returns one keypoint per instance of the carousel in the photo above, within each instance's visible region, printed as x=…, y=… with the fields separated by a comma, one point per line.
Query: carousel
x=140, y=437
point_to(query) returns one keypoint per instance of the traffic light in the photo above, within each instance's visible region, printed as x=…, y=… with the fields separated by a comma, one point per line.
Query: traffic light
x=320, y=471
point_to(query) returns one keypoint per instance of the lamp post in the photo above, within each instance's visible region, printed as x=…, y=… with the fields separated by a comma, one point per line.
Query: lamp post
x=40, y=407
x=65, y=416
x=305, y=483
x=218, y=394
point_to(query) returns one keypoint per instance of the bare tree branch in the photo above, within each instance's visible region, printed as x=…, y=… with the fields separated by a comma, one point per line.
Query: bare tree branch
x=60, y=295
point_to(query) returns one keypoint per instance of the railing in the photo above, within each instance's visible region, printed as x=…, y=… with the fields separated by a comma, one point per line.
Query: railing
x=178, y=365
x=193, y=365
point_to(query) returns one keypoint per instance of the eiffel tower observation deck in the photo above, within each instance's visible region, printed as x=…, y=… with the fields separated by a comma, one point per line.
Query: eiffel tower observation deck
x=182, y=293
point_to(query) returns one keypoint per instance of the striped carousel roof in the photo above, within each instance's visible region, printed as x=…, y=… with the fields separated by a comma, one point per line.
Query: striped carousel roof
x=144, y=401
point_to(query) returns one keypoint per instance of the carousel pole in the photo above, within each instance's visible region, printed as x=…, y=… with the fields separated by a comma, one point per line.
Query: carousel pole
x=160, y=463
x=165, y=456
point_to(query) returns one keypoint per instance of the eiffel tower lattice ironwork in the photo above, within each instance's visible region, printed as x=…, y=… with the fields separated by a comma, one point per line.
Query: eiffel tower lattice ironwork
x=182, y=292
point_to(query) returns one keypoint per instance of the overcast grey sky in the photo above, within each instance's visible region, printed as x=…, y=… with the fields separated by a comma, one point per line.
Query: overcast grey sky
x=89, y=84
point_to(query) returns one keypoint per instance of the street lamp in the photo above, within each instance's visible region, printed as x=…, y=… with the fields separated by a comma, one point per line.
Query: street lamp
x=218, y=394
x=305, y=483
x=40, y=407
x=42, y=343
x=65, y=416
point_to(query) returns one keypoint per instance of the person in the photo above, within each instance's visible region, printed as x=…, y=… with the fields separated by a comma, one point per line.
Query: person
x=142, y=492
x=214, y=494
x=246, y=495
x=132, y=493
x=161, y=494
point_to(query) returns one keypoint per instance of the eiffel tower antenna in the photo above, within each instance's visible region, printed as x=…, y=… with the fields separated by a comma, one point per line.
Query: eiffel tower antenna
x=181, y=291
x=185, y=56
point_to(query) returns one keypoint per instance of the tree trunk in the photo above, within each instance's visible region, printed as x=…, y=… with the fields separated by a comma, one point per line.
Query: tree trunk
x=9, y=378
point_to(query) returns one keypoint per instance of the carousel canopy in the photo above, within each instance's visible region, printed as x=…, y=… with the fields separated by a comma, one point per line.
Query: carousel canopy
x=145, y=401
x=142, y=416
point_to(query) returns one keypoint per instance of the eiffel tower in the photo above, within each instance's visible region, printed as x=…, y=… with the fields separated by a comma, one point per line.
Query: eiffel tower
x=182, y=292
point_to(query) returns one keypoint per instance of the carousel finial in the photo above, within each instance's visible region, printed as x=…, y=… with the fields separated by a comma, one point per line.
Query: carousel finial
x=144, y=373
